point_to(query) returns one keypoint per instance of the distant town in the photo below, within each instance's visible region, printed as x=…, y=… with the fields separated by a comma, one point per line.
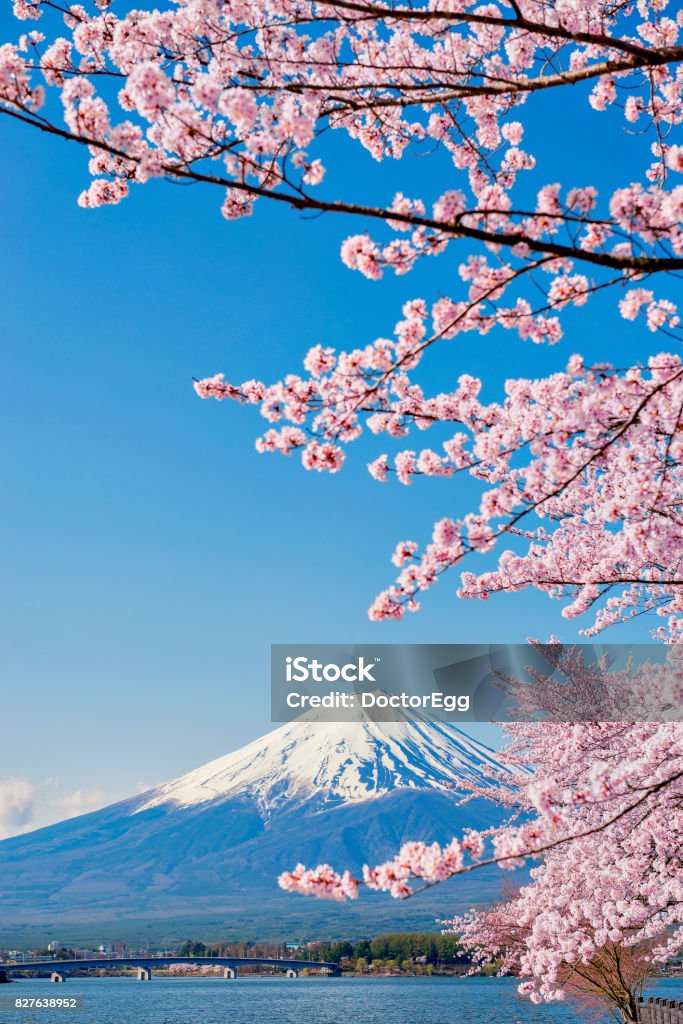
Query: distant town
x=69, y=951
x=412, y=953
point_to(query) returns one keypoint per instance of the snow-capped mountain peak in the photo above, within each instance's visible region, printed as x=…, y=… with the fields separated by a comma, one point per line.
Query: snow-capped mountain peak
x=328, y=763
x=216, y=839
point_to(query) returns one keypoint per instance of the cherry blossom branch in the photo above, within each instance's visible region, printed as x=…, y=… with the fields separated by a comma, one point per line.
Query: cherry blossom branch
x=304, y=202
x=436, y=865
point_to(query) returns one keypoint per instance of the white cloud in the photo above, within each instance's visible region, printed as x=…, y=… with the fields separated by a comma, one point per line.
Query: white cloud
x=25, y=805
x=81, y=802
x=17, y=806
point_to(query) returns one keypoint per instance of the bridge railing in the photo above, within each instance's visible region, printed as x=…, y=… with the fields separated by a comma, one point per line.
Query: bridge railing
x=659, y=1010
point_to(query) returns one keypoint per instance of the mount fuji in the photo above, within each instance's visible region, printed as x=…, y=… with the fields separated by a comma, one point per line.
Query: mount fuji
x=212, y=843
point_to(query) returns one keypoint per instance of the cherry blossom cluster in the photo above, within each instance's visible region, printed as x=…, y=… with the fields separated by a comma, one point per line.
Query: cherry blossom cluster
x=321, y=881
x=598, y=804
x=622, y=884
x=583, y=957
x=203, y=970
x=580, y=472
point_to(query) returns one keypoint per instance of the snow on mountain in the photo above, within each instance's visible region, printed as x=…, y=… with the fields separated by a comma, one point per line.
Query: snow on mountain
x=312, y=760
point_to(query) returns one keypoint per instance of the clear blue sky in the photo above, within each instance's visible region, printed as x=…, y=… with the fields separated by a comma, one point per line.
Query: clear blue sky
x=149, y=555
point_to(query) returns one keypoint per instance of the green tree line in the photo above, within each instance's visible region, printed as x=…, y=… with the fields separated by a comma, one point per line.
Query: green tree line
x=434, y=948
x=423, y=947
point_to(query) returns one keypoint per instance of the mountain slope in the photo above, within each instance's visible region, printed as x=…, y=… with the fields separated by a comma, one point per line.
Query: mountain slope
x=216, y=838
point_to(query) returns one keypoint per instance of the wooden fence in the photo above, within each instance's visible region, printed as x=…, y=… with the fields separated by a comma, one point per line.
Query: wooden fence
x=656, y=1010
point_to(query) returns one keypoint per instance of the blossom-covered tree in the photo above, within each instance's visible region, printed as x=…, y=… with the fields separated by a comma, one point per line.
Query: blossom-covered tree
x=581, y=471
x=610, y=978
x=597, y=804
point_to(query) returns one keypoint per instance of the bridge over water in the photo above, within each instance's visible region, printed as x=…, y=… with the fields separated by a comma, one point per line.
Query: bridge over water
x=57, y=969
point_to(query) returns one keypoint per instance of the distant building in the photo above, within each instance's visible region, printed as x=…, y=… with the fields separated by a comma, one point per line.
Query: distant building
x=57, y=947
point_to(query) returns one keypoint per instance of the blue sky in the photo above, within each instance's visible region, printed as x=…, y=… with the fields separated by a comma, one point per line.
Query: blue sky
x=150, y=555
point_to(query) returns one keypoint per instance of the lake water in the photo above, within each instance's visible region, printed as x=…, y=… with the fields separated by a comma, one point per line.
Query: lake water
x=293, y=1001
